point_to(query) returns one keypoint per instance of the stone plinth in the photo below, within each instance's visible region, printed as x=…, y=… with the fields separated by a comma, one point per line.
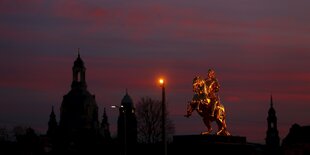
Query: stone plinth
x=207, y=139
x=210, y=144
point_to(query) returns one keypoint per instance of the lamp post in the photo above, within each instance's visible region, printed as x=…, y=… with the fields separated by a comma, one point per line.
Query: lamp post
x=123, y=110
x=162, y=84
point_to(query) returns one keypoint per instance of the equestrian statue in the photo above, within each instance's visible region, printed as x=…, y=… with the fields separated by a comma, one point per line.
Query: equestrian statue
x=207, y=104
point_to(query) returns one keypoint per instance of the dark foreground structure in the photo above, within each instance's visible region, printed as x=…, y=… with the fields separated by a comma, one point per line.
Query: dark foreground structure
x=212, y=144
x=192, y=144
x=199, y=144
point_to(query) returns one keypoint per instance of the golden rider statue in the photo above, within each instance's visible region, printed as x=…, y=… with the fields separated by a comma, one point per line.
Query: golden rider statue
x=212, y=87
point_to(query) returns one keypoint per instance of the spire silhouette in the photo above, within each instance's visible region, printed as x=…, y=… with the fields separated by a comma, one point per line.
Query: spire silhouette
x=52, y=124
x=105, y=126
x=78, y=52
x=271, y=101
x=272, y=137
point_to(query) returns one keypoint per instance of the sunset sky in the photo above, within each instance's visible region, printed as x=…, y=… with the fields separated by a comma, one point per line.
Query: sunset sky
x=256, y=47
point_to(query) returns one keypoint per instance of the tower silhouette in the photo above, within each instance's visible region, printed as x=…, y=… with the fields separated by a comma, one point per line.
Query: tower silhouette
x=52, y=124
x=105, y=127
x=78, y=69
x=272, y=137
x=127, y=121
x=78, y=125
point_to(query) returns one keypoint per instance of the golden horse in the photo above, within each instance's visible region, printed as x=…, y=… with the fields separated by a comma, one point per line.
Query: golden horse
x=201, y=103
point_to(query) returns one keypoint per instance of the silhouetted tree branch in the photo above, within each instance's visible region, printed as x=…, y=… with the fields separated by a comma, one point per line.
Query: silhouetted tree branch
x=149, y=120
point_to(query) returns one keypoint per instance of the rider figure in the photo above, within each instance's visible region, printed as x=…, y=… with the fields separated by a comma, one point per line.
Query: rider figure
x=213, y=88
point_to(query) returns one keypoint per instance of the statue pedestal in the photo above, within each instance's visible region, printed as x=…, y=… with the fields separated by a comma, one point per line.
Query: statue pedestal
x=208, y=139
x=207, y=144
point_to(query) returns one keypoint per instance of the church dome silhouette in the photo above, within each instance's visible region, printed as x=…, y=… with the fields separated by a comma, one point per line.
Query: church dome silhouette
x=127, y=101
x=79, y=110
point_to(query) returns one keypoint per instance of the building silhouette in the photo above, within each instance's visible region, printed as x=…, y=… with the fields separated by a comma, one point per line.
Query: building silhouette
x=79, y=110
x=52, y=125
x=78, y=129
x=127, y=121
x=297, y=141
x=105, y=127
x=272, y=134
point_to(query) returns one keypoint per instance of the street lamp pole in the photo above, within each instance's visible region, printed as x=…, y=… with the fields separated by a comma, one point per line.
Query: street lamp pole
x=162, y=83
x=123, y=110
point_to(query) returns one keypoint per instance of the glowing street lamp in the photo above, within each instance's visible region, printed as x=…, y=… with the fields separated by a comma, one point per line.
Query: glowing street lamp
x=161, y=81
x=162, y=85
x=123, y=110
